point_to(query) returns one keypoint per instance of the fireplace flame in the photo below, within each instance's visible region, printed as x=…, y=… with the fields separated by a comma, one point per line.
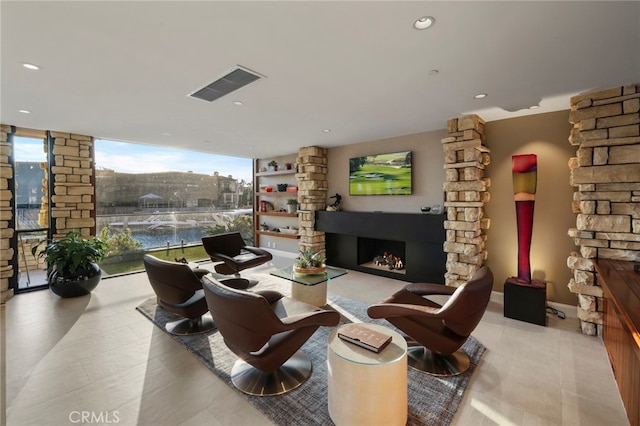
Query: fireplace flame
x=389, y=260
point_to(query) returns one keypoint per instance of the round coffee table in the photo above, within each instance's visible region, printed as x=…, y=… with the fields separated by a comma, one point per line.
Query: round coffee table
x=366, y=387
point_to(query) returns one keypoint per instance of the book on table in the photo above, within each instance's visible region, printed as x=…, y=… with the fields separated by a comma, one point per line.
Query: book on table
x=364, y=337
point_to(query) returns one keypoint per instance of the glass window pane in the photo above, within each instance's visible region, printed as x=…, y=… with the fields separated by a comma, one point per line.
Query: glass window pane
x=168, y=197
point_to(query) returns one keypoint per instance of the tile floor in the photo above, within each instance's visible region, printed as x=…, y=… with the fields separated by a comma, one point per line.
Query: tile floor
x=99, y=358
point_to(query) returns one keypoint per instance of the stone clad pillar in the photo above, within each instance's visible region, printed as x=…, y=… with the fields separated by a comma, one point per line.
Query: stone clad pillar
x=312, y=195
x=606, y=173
x=466, y=192
x=6, y=215
x=73, y=199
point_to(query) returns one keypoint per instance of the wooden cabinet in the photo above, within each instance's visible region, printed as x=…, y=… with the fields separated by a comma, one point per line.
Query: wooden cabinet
x=621, y=329
x=270, y=206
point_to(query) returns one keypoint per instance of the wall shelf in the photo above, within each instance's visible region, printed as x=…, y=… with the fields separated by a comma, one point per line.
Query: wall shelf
x=292, y=194
x=281, y=214
x=276, y=173
x=278, y=234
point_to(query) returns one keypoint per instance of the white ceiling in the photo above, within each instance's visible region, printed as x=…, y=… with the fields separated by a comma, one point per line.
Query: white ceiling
x=123, y=70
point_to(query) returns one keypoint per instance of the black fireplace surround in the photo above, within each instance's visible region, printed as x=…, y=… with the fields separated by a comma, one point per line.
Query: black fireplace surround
x=351, y=237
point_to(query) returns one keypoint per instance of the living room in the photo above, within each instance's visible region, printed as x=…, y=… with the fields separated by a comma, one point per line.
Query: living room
x=545, y=134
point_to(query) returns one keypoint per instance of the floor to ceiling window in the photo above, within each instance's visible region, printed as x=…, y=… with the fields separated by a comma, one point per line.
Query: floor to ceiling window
x=31, y=209
x=150, y=197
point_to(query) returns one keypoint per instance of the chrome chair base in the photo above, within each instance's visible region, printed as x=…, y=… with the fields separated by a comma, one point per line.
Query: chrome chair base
x=289, y=376
x=422, y=359
x=186, y=326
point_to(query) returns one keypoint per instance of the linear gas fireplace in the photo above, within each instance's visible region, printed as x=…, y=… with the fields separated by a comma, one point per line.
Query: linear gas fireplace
x=386, y=255
x=359, y=240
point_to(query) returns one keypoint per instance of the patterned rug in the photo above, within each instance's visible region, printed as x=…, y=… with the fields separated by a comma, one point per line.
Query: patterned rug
x=432, y=400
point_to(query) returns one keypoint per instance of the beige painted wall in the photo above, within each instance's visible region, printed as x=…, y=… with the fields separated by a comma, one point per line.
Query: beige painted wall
x=428, y=174
x=544, y=135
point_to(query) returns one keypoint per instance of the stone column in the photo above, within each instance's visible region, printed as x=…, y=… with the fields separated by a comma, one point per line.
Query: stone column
x=606, y=173
x=73, y=199
x=6, y=215
x=466, y=192
x=312, y=195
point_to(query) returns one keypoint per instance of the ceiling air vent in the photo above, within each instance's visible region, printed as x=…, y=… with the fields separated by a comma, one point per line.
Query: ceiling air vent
x=231, y=82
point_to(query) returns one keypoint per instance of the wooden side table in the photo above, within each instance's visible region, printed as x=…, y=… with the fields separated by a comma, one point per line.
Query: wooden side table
x=366, y=387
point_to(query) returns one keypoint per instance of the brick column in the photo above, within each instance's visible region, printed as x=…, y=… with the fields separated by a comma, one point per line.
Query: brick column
x=73, y=199
x=606, y=172
x=465, y=196
x=312, y=195
x=6, y=214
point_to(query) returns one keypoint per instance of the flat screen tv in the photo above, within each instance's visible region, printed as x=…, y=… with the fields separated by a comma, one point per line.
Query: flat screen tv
x=381, y=174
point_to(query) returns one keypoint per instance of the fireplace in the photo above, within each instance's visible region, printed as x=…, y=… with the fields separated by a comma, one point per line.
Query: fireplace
x=353, y=239
x=386, y=255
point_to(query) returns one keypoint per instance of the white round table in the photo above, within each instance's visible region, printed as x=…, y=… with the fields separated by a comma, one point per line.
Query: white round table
x=365, y=387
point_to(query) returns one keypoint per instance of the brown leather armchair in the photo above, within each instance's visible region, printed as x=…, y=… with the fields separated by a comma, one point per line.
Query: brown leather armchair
x=236, y=256
x=438, y=331
x=179, y=291
x=266, y=330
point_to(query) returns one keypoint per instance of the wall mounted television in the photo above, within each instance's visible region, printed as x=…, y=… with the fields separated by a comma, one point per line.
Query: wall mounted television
x=381, y=174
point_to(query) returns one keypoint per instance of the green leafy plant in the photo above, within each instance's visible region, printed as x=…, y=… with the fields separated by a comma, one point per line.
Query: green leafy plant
x=309, y=259
x=292, y=201
x=71, y=256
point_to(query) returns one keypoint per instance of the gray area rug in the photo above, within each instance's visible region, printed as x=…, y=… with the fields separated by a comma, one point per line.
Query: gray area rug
x=432, y=400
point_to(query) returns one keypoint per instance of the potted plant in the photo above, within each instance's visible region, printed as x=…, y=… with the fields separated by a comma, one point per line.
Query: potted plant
x=309, y=262
x=72, y=263
x=292, y=205
x=273, y=166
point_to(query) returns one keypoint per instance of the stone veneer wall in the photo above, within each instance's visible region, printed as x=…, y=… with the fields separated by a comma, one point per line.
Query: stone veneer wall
x=73, y=198
x=6, y=214
x=606, y=171
x=312, y=195
x=466, y=192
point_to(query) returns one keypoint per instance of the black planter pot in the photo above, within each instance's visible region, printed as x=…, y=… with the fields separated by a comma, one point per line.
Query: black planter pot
x=76, y=287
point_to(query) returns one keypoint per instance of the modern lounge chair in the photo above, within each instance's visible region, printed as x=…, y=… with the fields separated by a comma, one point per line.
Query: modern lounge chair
x=235, y=255
x=438, y=331
x=266, y=330
x=179, y=291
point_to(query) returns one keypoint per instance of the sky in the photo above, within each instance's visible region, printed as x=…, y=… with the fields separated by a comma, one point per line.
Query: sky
x=135, y=158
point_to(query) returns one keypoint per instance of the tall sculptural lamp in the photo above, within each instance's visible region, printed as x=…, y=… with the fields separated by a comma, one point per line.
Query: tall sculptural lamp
x=525, y=299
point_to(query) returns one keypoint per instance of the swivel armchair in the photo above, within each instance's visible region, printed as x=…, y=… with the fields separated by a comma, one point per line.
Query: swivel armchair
x=235, y=255
x=265, y=330
x=436, y=332
x=179, y=291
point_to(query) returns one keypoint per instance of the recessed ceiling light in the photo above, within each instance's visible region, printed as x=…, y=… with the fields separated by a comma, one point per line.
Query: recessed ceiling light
x=534, y=107
x=30, y=66
x=24, y=111
x=238, y=103
x=326, y=130
x=480, y=96
x=424, y=23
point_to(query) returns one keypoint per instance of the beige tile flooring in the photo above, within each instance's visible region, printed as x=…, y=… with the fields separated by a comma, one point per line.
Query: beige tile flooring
x=99, y=356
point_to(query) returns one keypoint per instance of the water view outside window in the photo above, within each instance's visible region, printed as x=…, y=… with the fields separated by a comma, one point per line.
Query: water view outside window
x=149, y=197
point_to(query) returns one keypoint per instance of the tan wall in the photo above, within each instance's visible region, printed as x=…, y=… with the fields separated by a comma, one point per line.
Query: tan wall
x=428, y=174
x=546, y=136
x=542, y=134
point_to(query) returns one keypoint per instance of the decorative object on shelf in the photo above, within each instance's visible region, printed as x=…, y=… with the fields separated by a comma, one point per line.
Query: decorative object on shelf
x=292, y=189
x=266, y=206
x=262, y=169
x=72, y=262
x=264, y=226
x=268, y=189
x=292, y=205
x=288, y=230
x=288, y=166
x=273, y=166
x=282, y=187
x=335, y=206
x=309, y=262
